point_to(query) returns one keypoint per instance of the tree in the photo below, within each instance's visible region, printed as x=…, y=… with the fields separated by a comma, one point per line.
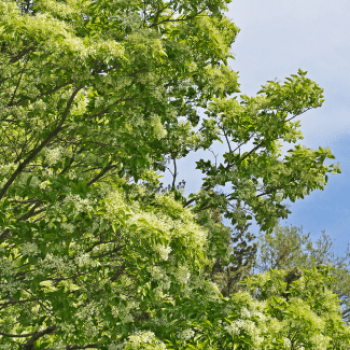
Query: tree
x=301, y=307
x=90, y=103
x=228, y=275
x=287, y=248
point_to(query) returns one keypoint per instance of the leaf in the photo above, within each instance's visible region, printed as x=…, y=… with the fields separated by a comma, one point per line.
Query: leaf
x=107, y=288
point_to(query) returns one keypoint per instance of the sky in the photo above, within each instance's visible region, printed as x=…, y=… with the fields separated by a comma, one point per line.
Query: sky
x=276, y=39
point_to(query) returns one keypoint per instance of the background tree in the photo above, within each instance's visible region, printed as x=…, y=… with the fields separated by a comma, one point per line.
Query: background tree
x=288, y=248
x=298, y=300
x=95, y=97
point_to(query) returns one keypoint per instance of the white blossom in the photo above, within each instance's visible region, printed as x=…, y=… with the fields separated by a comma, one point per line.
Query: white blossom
x=187, y=334
x=236, y=327
x=182, y=274
x=30, y=249
x=245, y=313
x=163, y=251
x=53, y=156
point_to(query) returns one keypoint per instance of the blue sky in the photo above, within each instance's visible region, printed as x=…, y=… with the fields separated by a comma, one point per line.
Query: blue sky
x=276, y=39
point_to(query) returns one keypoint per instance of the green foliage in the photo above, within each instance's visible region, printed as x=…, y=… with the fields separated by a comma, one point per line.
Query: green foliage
x=90, y=103
x=287, y=248
x=304, y=312
x=228, y=271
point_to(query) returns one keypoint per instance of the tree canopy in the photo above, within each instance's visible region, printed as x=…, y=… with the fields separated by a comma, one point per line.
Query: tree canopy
x=95, y=95
x=287, y=248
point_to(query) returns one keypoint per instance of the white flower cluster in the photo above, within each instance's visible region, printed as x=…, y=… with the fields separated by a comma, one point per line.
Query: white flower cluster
x=159, y=93
x=53, y=156
x=245, y=313
x=236, y=327
x=320, y=342
x=68, y=227
x=135, y=118
x=146, y=78
x=182, y=274
x=169, y=204
x=287, y=343
x=83, y=205
x=257, y=340
x=122, y=81
x=58, y=262
x=78, y=203
x=80, y=107
x=32, y=91
x=157, y=273
x=259, y=315
x=5, y=169
x=115, y=204
x=233, y=329
x=67, y=328
x=185, y=335
x=131, y=19
x=6, y=266
x=157, y=126
x=161, y=321
x=91, y=330
x=82, y=260
x=10, y=287
x=30, y=249
x=38, y=105
x=47, y=172
x=144, y=340
x=109, y=48
x=123, y=312
x=163, y=251
x=275, y=326
x=147, y=223
x=71, y=174
x=212, y=292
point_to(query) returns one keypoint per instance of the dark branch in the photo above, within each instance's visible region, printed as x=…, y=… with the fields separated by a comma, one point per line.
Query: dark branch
x=77, y=347
x=29, y=345
x=35, y=152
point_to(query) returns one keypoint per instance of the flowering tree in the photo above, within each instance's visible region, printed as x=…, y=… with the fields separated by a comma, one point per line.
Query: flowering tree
x=90, y=99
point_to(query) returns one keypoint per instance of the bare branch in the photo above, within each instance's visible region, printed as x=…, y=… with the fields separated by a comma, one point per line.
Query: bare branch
x=175, y=173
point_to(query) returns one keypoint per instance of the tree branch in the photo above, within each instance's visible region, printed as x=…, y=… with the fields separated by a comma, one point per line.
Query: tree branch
x=29, y=345
x=16, y=335
x=18, y=83
x=77, y=347
x=54, y=132
x=175, y=173
x=118, y=273
x=46, y=93
x=102, y=172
